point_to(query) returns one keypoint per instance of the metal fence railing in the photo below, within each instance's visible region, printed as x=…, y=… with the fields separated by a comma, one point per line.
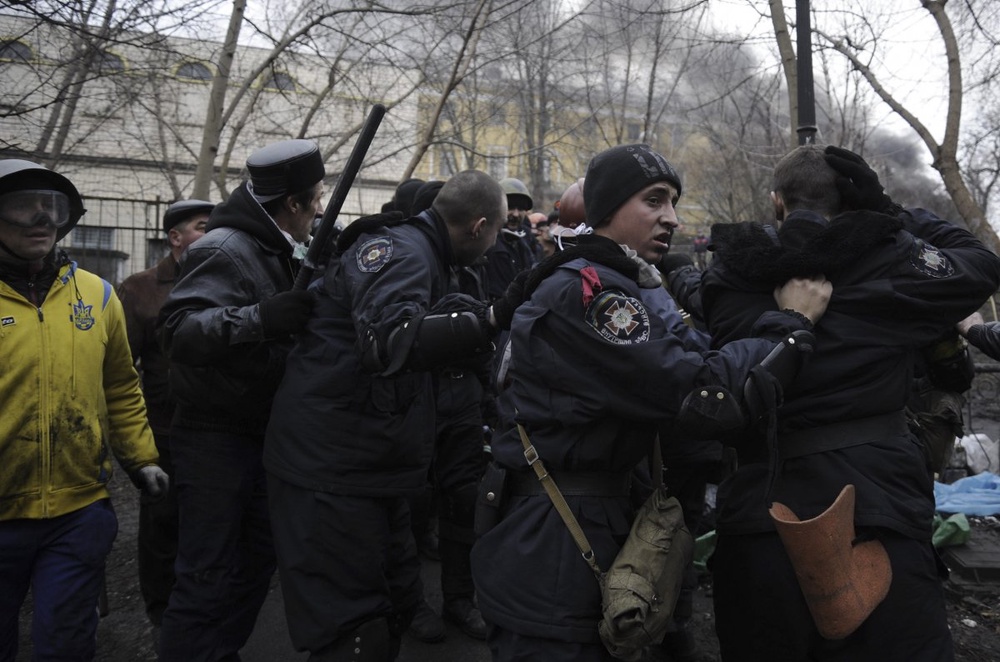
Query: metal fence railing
x=118, y=237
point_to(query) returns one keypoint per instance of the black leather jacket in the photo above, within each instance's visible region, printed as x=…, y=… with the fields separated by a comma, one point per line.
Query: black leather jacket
x=224, y=372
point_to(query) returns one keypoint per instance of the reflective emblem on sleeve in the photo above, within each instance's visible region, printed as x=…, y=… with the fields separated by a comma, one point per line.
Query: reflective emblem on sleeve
x=930, y=261
x=374, y=254
x=618, y=319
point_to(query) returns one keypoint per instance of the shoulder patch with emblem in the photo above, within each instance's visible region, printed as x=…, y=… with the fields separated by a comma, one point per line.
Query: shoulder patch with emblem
x=930, y=261
x=374, y=254
x=619, y=319
x=6, y=321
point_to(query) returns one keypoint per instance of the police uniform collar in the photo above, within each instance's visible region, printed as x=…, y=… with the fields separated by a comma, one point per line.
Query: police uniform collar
x=441, y=240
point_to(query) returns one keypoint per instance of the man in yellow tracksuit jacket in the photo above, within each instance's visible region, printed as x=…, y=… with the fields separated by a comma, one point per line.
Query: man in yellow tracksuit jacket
x=69, y=399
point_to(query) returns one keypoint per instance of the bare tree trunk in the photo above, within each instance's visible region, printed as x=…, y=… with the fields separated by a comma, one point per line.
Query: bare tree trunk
x=784, y=39
x=213, y=119
x=945, y=152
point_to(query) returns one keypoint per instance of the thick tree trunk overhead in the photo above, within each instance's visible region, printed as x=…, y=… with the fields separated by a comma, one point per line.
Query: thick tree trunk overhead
x=212, y=133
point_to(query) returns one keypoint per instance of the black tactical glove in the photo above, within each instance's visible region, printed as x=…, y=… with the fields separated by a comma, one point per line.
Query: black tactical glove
x=515, y=294
x=673, y=261
x=858, y=184
x=684, y=283
x=285, y=313
x=463, y=303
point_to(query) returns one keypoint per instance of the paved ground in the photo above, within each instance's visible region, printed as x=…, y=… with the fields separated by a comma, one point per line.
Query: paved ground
x=125, y=635
x=270, y=642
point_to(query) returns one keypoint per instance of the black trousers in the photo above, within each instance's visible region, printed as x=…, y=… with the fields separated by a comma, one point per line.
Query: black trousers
x=458, y=467
x=343, y=561
x=761, y=614
x=225, y=555
x=157, y=540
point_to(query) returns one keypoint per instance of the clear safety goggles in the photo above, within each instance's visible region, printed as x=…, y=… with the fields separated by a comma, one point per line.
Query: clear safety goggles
x=29, y=208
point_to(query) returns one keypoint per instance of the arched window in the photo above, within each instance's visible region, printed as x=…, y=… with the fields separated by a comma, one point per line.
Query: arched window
x=194, y=71
x=106, y=62
x=279, y=80
x=11, y=49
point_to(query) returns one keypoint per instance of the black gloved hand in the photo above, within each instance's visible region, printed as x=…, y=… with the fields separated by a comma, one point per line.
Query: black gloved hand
x=858, y=184
x=515, y=294
x=456, y=302
x=285, y=313
x=464, y=303
x=673, y=261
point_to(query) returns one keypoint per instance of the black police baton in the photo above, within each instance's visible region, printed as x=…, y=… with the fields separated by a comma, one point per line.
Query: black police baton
x=320, y=240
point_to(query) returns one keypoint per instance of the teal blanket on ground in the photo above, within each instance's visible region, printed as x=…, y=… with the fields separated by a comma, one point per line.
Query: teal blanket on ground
x=975, y=495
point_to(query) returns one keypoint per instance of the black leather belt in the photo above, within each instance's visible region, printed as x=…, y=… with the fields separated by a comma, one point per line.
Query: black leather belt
x=574, y=483
x=854, y=432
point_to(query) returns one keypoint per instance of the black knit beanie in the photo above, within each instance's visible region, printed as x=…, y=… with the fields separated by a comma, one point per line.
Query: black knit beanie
x=616, y=174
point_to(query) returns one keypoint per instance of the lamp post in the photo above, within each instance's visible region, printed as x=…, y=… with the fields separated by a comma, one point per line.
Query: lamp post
x=804, y=74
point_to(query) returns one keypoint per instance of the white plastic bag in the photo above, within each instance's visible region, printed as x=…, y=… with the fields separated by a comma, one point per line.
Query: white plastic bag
x=981, y=452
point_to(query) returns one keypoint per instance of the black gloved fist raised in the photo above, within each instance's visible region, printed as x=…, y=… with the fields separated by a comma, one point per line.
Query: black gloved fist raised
x=464, y=303
x=285, y=313
x=515, y=294
x=858, y=184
